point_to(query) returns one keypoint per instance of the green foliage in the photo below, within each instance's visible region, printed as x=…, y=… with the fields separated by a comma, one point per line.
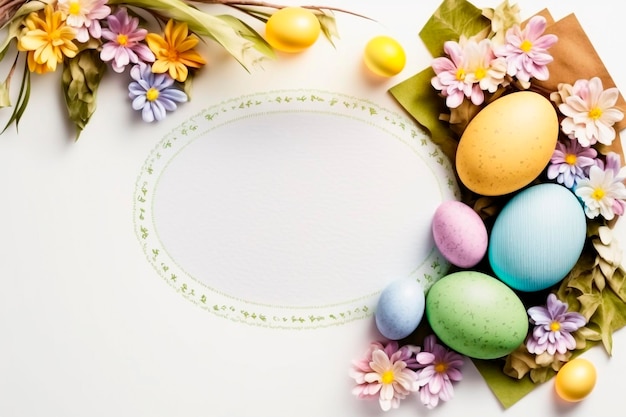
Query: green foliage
x=81, y=79
x=223, y=31
x=453, y=19
x=22, y=100
x=422, y=101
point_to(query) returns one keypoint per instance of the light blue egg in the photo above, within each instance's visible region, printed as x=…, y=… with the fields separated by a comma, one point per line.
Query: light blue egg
x=400, y=308
x=537, y=238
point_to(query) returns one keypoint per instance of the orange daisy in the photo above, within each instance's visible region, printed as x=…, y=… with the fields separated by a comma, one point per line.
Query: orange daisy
x=174, y=51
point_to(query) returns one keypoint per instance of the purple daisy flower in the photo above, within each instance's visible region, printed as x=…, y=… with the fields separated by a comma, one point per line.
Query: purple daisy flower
x=526, y=51
x=124, y=41
x=153, y=94
x=570, y=162
x=553, y=327
x=440, y=367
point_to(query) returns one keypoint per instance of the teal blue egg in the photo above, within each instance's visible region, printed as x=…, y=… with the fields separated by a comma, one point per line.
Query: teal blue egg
x=476, y=314
x=400, y=308
x=538, y=237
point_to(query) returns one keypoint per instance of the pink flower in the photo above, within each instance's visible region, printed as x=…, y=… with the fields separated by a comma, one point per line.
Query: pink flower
x=124, y=41
x=484, y=67
x=590, y=112
x=553, y=325
x=526, y=51
x=440, y=367
x=84, y=16
x=471, y=69
x=451, y=77
x=385, y=372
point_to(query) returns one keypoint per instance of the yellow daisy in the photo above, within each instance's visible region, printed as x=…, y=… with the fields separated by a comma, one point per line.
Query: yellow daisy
x=174, y=51
x=47, y=40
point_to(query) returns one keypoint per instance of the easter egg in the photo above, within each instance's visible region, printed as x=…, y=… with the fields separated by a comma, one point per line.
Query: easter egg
x=476, y=315
x=384, y=56
x=400, y=308
x=292, y=29
x=459, y=234
x=507, y=144
x=538, y=237
x=575, y=380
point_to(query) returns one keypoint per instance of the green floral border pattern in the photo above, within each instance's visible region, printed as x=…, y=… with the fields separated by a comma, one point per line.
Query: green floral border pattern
x=316, y=101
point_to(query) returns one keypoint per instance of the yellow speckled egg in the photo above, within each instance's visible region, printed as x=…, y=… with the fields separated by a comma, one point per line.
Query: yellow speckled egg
x=507, y=144
x=292, y=29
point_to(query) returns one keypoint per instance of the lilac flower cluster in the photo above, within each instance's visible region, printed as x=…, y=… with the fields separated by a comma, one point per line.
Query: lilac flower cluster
x=553, y=327
x=390, y=373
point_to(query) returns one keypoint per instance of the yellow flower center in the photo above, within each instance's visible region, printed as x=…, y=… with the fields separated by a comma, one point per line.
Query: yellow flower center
x=555, y=326
x=74, y=8
x=152, y=94
x=460, y=74
x=388, y=377
x=480, y=73
x=441, y=367
x=55, y=35
x=598, y=194
x=122, y=39
x=570, y=159
x=595, y=113
x=172, y=54
x=526, y=46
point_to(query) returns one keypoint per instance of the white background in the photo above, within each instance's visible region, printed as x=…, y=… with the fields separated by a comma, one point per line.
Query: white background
x=88, y=328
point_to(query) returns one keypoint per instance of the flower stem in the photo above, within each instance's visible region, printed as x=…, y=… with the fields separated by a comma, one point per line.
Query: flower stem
x=8, y=9
x=235, y=3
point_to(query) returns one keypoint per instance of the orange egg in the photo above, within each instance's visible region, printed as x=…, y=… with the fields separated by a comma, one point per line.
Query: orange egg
x=575, y=380
x=508, y=144
x=292, y=29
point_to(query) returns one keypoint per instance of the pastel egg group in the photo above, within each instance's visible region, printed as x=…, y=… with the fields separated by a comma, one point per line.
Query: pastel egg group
x=538, y=237
x=459, y=234
x=476, y=315
x=400, y=308
x=507, y=144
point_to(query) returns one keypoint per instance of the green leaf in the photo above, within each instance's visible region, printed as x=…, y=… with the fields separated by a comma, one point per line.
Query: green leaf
x=22, y=100
x=422, y=101
x=507, y=390
x=204, y=24
x=247, y=32
x=453, y=19
x=80, y=80
x=328, y=24
x=5, y=100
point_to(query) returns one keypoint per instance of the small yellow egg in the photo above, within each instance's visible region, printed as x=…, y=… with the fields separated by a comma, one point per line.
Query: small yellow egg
x=292, y=29
x=575, y=380
x=384, y=56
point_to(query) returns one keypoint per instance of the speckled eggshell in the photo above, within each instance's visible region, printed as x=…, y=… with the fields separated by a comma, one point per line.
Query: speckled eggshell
x=538, y=237
x=400, y=308
x=476, y=315
x=459, y=234
x=507, y=144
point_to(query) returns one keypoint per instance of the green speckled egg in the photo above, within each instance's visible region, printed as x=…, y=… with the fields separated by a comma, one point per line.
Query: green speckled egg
x=476, y=315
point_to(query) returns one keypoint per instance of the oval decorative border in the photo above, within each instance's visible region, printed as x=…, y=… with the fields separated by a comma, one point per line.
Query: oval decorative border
x=232, y=308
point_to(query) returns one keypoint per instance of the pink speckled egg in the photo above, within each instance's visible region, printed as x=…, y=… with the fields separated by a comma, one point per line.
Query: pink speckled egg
x=460, y=234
